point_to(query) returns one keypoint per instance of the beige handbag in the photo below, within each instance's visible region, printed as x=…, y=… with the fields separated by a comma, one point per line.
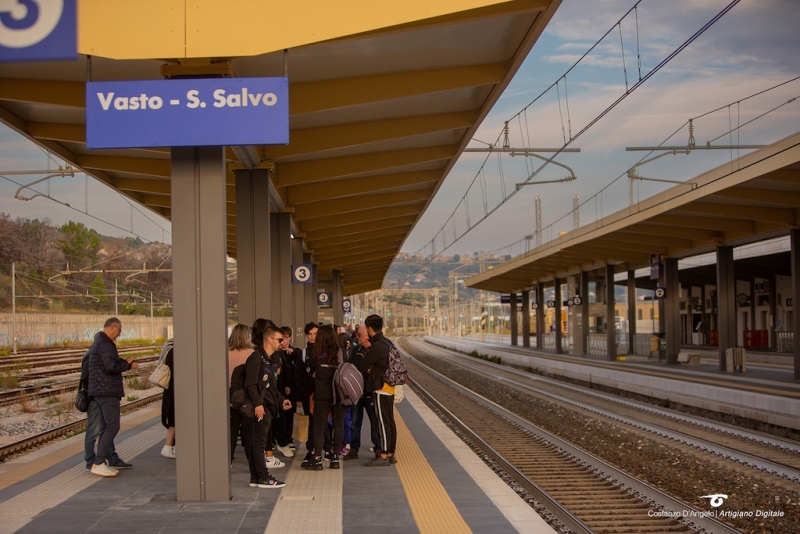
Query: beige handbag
x=300, y=428
x=398, y=394
x=160, y=376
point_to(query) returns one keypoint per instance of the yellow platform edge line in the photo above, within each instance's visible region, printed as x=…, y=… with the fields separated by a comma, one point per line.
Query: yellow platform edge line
x=433, y=510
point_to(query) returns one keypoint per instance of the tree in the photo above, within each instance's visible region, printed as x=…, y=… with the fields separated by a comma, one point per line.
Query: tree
x=79, y=244
x=98, y=287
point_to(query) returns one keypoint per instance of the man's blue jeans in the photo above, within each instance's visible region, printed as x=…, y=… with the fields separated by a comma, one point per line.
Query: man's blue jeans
x=94, y=427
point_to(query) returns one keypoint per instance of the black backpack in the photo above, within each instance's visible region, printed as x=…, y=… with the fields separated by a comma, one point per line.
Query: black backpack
x=237, y=392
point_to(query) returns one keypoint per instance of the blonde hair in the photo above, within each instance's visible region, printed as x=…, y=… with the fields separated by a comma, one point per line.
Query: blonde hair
x=240, y=338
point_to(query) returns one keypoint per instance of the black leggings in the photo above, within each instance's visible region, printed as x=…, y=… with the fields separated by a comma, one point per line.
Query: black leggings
x=320, y=421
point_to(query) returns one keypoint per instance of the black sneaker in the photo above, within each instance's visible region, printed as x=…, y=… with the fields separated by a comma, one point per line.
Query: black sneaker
x=392, y=459
x=329, y=455
x=335, y=463
x=253, y=482
x=378, y=462
x=314, y=464
x=271, y=482
x=119, y=463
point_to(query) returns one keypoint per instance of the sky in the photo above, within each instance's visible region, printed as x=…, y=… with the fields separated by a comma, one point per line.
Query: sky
x=753, y=47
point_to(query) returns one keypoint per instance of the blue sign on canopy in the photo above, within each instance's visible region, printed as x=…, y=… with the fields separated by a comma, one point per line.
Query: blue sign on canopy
x=187, y=112
x=37, y=30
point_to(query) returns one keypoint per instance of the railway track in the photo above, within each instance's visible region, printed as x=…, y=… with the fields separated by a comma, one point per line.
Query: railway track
x=598, y=494
x=35, y=360
x=33, y=442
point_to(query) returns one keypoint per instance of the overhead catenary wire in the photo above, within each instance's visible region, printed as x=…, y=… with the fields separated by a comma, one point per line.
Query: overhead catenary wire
x=628, y=91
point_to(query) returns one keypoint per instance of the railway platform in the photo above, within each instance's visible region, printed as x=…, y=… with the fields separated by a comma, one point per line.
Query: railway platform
x=438, y=485
x=765, y=393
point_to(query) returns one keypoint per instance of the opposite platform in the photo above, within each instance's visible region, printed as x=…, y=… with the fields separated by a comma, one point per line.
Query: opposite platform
x=438, y=485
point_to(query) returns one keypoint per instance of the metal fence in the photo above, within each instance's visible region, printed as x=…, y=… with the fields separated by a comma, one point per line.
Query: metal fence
x=785, y=341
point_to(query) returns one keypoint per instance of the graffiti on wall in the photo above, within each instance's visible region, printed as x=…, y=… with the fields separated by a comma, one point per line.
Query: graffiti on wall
x=32, y=338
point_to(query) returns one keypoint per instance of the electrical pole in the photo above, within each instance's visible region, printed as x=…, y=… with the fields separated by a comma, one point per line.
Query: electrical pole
x=116, y=299
x=152, y=321
x=14, y=306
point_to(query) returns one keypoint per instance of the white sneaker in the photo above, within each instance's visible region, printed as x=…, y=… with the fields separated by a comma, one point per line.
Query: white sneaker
x=104, y=471
x=286, y=451
x=274, y=462
x=168, y=451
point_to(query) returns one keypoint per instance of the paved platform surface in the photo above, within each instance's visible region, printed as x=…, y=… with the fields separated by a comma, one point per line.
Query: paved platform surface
x=438, y=485
x=765, y=392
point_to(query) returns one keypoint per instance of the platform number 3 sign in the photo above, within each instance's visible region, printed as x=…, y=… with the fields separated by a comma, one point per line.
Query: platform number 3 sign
x=32, y=30
x=301, y=272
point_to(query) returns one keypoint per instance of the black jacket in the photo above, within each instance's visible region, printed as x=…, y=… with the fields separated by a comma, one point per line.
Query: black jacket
x=304, y=375
x=356, y=358
x=323, y=376
x=375, y=362
x=106, y=368
x=260, y=382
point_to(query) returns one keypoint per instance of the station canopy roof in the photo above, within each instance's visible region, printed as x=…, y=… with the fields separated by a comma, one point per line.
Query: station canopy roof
x=382, y=103
x=751, y=198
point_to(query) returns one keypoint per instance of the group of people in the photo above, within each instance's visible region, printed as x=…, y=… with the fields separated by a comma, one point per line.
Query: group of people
x=276, y=380
x=280, y=380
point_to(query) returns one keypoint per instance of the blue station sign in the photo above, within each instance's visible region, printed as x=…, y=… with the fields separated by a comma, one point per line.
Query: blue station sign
x=190, y=112
x=38, y=30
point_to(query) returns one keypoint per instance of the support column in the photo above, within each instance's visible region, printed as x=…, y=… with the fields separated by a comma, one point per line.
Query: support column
x=310, y=295
x=557, y=322
x=526, y=318
x=514, y=320
x=726, y=302
x=773, y=311
x=611, y=323
x=673, y=310
x=540, y=310
x=282, y=293
x=585, y=313
x=253, y=245
x=338, y=296
x=632, y=311
x=298, y=296
x=795, y=326
x=199, y=223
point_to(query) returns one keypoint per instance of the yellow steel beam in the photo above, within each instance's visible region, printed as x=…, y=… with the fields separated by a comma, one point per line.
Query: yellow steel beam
x=364, y=256
x=75, y=133
x=369, y=268
x=360, y=217
x=141, y=185
x=329, y=168
x=783, y=175
x=318, y=244
x=308, y=140
x=367, y=233
x=358, y=247
x=777, y=215
x=655, y=229
x=301, y=194
x=768, y=196
x=53, y=92
x=157, y=200
x=152, y=29
x=360, y=230
x=362, y=287
x=707, y=223
x=308, y=97
x=146, y=166
x=366, y=202
x=338, y=263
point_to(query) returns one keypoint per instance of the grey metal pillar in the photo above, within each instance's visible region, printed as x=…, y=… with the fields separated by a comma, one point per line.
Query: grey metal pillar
x=611, y=323
x=514, y=320
x=338, y=296
x=199, y=289
x=312, y=310
x=526, y=318
x=298, y=296
x=540, y=310
x=673, y=310
x=773, y=310
x=282, y=293
x=559, y=306
x=632, y=311
x=253, y=245
x=585, y=313
x=795, y=326
x=726, y=302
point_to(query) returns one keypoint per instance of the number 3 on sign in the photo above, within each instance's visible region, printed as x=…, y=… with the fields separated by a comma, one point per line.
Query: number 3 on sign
x=301, y=274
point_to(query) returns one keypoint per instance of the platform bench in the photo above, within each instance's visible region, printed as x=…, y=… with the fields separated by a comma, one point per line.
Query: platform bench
x=689, y=358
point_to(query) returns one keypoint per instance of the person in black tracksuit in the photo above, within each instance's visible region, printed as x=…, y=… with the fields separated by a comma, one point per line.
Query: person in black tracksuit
x=261, y=386
x=374, y=365
x=304, y=386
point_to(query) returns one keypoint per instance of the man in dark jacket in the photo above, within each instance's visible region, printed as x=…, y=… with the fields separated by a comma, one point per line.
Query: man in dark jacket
x=374, y=365
x=261, y=386
x=304, y=385
x=94, y=425
x=364, y=403
x=106, y=388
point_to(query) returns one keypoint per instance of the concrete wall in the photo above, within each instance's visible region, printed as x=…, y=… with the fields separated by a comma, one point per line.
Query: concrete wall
x=45, y=329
